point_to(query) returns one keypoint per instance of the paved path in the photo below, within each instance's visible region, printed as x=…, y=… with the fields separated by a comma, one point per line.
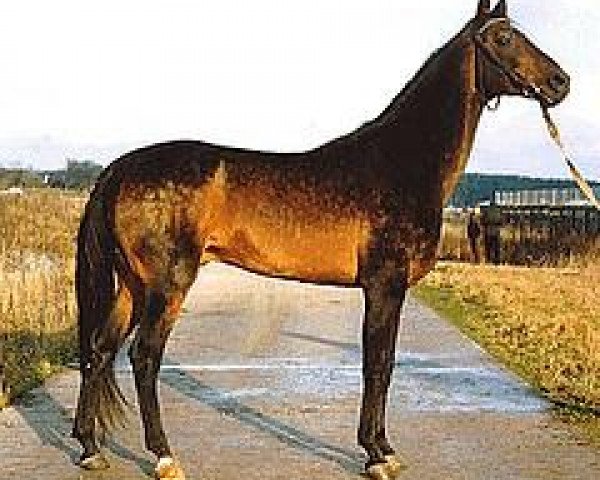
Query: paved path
x=262, y=381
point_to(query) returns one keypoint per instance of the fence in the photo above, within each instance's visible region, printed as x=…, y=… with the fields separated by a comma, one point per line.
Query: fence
x=542, y=197
x=527, y=235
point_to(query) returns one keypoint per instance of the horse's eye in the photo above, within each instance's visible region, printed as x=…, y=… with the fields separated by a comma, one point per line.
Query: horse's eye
x=504, y=38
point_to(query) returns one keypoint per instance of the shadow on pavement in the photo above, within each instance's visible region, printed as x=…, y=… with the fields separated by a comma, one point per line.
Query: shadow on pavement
x=346, y=346
x=52, y=423
x=215, y=398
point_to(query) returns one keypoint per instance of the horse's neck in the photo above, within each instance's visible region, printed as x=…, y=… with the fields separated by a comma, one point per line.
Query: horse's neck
x=432, y=123
x=468, y=114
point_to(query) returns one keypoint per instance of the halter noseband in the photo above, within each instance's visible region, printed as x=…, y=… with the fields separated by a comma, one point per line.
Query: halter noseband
x=527, y=88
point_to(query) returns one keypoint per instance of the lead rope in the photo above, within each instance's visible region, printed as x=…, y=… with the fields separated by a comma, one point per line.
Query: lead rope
x=581, y=182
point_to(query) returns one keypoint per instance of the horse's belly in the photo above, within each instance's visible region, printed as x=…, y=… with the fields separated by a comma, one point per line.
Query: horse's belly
x=315, y=253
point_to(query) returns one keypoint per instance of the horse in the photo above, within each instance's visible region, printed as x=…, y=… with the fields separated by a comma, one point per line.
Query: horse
x=363, y=210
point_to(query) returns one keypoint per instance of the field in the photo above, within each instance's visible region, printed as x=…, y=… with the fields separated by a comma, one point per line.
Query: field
x=544, y=323
x=37, y=307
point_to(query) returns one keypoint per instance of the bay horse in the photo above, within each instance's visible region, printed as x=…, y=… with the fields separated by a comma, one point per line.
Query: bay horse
x=363, y=210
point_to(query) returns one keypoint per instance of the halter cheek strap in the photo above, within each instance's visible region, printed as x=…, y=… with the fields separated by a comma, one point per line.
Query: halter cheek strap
x=480, y=67
x=527, y=88
x=481, y=90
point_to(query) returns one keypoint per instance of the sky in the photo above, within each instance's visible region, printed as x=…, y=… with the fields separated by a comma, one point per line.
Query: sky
x=92, y=80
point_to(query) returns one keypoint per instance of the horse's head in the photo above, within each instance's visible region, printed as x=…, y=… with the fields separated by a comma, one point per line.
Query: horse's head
x=509, y=64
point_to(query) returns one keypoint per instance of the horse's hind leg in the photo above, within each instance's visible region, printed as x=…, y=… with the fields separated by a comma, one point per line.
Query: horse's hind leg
x=92, y=391
x=162, y=306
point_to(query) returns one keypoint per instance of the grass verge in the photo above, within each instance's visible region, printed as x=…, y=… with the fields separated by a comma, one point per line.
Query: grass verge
x=542, y=323
x=37, y=299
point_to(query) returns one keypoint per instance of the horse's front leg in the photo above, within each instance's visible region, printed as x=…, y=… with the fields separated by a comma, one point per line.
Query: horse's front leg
x=384, y=292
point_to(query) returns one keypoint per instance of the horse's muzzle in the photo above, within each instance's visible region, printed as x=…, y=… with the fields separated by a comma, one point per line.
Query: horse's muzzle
x=557, y=88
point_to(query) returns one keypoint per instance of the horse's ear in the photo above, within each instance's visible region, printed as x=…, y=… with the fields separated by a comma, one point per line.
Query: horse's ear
x=501, y=10
x=483, y=8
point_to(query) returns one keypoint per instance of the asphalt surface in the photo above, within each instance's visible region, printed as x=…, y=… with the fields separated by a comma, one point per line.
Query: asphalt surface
x=262, y=379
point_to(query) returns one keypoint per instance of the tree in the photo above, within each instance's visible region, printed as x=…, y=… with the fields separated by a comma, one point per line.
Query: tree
x=79, y=174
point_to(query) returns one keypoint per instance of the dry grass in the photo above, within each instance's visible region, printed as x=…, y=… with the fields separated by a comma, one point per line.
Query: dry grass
x=37, y=305
x=543, y=323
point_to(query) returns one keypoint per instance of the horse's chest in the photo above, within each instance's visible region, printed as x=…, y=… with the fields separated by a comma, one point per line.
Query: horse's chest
x=414, y=241
x=419, y=268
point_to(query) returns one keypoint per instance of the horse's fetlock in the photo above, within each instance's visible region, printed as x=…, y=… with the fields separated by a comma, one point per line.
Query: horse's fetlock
x=366, y=439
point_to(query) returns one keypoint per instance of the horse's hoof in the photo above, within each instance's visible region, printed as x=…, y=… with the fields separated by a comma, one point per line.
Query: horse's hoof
x=394, y=465
x=388, y=470
x=94, y=462
x=379, y=471
x=168, y=469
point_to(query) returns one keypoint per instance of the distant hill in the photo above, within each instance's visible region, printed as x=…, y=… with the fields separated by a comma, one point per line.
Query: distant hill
x=474, y=188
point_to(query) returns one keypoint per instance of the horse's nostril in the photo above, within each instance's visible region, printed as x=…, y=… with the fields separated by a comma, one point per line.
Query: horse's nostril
x=558, y=82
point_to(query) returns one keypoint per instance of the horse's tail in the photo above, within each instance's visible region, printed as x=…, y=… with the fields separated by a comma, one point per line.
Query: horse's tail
x=99, y=337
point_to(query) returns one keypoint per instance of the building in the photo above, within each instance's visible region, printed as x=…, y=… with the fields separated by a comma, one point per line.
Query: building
x=556, y=197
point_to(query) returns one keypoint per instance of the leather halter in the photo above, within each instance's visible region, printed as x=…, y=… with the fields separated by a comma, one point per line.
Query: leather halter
x=527, y=88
